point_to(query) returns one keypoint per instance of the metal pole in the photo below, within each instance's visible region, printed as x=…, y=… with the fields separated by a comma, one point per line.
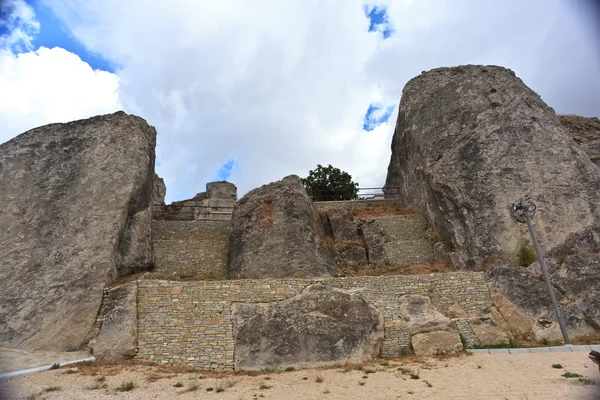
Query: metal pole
x=538, y=250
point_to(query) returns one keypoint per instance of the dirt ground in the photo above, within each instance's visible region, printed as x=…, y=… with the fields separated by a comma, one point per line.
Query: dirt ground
x=479, y=376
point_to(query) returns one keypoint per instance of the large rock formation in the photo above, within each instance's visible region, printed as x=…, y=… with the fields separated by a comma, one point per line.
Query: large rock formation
x=432, y=333
x=276, y=233
x=586, y=132
x=117, y=339
x=472, y=140
x=320, y=326
x=530, y=309
x=160, y=191
x=76, y=201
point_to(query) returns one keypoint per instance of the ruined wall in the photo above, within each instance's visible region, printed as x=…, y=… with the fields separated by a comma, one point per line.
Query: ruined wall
x=189, y=323
x=191, y=248
x=215, y=204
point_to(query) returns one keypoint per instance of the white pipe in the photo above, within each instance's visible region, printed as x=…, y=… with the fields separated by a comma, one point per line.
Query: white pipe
x=44, y=368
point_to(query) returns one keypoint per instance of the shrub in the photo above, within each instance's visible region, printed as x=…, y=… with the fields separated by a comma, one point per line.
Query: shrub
x=525, y=254
x=126, y=386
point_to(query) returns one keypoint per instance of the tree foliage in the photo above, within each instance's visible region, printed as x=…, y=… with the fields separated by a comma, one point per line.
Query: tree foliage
x=330, y=184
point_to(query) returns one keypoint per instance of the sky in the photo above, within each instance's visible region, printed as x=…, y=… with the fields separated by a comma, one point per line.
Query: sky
x=251, y=91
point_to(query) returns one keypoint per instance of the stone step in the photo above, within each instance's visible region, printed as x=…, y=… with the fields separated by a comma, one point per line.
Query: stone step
x=405, y=252
x=402, y=227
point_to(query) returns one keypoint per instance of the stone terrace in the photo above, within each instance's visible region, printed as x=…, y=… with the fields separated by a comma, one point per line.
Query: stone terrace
x=189, y=323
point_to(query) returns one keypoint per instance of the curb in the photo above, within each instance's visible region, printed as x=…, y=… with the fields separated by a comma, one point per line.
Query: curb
x=524, y=350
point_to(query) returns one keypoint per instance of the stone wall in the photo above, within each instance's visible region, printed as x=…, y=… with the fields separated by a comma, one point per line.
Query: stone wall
x=215, y=204
x=189, y=323
x=191, y=248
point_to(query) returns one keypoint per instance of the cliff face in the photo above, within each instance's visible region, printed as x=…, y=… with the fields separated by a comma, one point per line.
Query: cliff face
x=586, y=132
x=75, y=213
x=472, y=140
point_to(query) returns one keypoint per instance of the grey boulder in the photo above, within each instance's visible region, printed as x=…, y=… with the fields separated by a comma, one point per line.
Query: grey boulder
x=276, y=233
x=470, y=141
x=75, y=200
x=320, y=326
x=117, y=339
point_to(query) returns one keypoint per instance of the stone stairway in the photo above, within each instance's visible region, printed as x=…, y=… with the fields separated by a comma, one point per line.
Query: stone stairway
x=404, y=239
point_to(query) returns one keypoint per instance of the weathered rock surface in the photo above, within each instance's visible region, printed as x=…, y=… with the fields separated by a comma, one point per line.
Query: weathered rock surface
x=586, y=132
x=342, y=224
x=375, y=240
x=354, y=256
x=72, y=194
x=488, y=332
x=472, y=140
x=508, y=317
x=526, y=290
x=436, y=343
x=160, y=191
x=432, y=333
x=117, y=339
x=276, y=233
x=420, y=316
x=320, y=326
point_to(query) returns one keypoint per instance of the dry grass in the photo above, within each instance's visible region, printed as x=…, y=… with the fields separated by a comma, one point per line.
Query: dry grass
x=341, y=245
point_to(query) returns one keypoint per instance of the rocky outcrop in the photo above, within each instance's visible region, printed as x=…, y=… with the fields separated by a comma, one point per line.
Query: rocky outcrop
x=432, y=333
x=320, y=326
x=117, y=339
x=436, y=343
x=420, y=316
x=530, y=305
x=508, y=317
x=586, y=132
x=160, y=191
x=470, y=141
x=487, y=331
x=74, y=199
x=276, y=233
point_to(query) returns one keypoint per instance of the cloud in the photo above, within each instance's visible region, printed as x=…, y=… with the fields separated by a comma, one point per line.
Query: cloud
x=280, y=87
x=46, y=85
x=17, y=25
x=51, y=85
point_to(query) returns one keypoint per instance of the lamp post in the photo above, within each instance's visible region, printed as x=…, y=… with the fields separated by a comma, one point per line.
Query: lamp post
x=523, y=212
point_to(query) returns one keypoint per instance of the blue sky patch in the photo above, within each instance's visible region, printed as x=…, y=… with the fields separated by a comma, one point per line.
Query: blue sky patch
x=379, y=20
x=376, y=115
x=225, y=171
x=54, y=33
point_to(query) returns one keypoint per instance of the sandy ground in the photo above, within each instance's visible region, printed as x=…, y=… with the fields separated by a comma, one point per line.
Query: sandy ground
x=479, y=376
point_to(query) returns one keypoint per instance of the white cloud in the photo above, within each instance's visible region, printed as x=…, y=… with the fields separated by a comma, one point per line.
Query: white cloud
x=50, y=85
x=19, y=20
x=280, y=86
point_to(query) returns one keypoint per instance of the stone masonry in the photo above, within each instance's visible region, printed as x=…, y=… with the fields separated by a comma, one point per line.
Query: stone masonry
x=191, y=248
x=189, y=323
x=215, y=204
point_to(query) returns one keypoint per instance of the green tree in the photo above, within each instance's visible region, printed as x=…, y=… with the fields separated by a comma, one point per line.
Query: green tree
x=330, y=184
